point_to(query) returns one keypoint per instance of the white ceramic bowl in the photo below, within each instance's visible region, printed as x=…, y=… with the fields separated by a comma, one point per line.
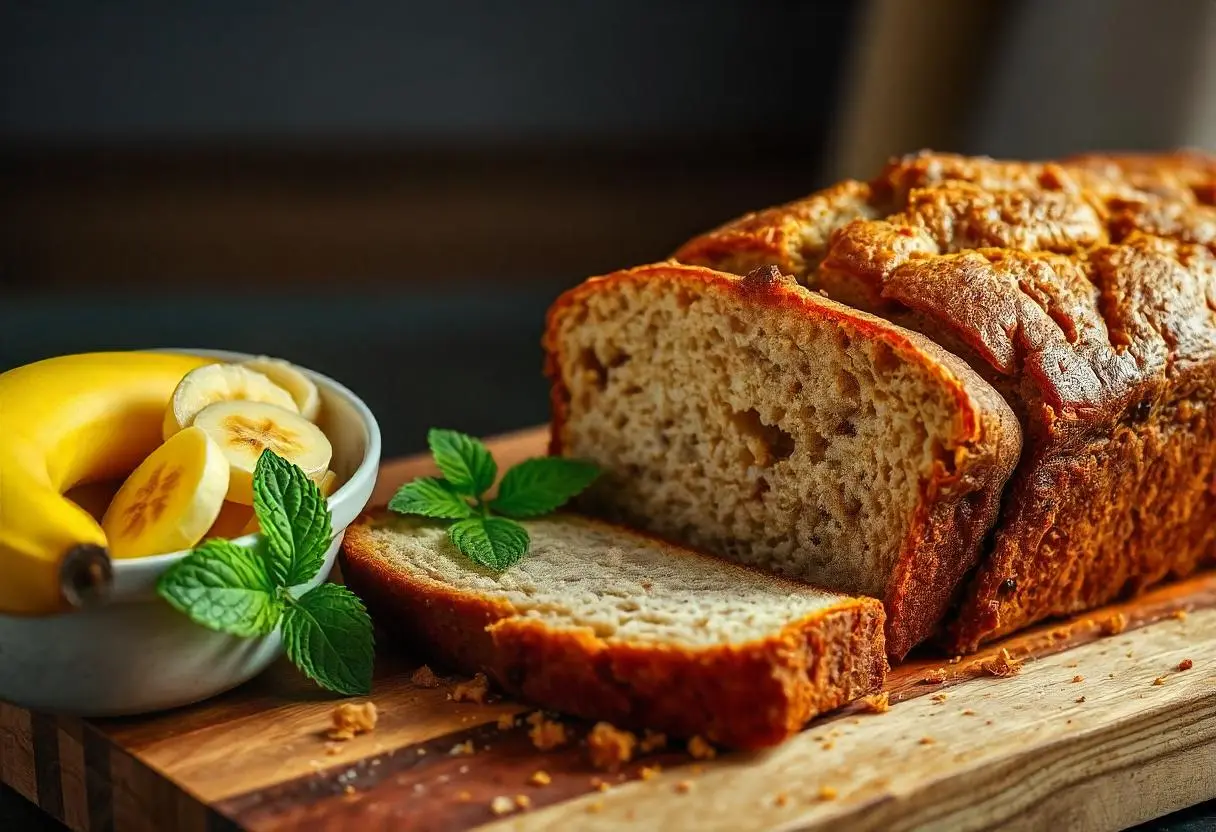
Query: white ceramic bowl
x=137, y=654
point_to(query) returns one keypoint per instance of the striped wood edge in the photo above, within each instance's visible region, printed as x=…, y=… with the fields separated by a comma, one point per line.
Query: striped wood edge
x=1099, y=730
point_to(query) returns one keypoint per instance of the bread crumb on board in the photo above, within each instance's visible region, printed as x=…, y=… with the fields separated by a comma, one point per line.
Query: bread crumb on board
x=652, y=741
x=968, y=712
x=502, y=805
x=650, y=772
x=700, y=749
x=1002, y=664
x=1160, y=680
x=1180, y=615
x=350, y=719
x=877, y=703
x=461, y=748
x=1078, y=678
x=424, y=677
x=940, y=697
x=684, y=787
x=826, y=793
x=546, y=734
x=475, y=690
x=524, y=802
x=609, y=746
x=540, y=778
x=927, y=741
x=781, y=799
x=1185, y=664
x=506, y=722
x=1114, y=624
x=595, y=808
x=1079, y=700
x=935, y=676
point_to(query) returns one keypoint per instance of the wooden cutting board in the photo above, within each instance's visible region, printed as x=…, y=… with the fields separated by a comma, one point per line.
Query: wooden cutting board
x=1100, y=729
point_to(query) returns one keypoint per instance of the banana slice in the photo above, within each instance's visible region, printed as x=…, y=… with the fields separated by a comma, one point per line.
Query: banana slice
x=285, y=374
x=244, y=429
x=328, y=483
x=170, y=500
x=221, y=383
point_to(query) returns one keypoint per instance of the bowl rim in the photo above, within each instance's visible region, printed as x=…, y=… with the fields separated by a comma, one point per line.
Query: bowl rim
x=369, y=466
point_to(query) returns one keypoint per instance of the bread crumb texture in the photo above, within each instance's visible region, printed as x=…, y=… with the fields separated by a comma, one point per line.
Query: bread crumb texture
x=610, y=747
x=1114, y=624
x=1185, y=664
x=540, y=778
x=546, y=734
x=424, y=677
x=476, y=690
x=350, y=719
x=700, y=749
x=827, y=793
x=1002, y=664
x=502, y=805
x=878, y=703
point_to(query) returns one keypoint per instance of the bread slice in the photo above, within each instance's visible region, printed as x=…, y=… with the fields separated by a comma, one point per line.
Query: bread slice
x=606, y=623
x=758, y=420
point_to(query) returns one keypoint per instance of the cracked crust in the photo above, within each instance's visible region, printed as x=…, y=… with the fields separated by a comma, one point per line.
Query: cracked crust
x=1084, y=291
x=743, y=695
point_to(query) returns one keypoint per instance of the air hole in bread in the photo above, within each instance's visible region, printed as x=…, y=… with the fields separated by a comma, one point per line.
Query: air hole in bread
x=765, y=443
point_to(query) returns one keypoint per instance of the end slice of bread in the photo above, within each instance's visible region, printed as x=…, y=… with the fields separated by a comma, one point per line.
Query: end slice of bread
x=606, y=623
x=753, y=418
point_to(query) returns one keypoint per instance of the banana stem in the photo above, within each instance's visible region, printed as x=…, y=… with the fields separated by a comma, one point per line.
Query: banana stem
x=86, y=576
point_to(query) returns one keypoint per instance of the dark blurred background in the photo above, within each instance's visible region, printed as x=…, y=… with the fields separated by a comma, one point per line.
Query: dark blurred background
x=392, y=192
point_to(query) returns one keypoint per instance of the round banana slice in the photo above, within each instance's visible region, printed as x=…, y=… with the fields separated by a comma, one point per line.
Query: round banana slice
x=171, y=499
x=285, y=374
x=244, y=429
x=221, y=383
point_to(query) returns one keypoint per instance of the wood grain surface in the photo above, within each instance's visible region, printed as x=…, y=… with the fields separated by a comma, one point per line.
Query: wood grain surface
x=1099, y=729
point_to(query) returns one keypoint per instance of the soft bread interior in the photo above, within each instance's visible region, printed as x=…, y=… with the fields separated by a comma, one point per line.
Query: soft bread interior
x=624, y=586
x=782, y=438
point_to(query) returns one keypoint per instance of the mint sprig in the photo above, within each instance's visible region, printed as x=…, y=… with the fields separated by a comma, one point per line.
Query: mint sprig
x=532, y=488
x=252, y=590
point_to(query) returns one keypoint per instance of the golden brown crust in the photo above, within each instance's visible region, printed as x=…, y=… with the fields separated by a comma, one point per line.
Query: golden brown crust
x=745, y=696
x=1083, y=290
x=959, y=502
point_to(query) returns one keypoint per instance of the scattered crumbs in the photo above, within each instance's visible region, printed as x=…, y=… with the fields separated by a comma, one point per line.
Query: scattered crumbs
x=459, y=748
x=464, y=796
x=1110, y=675
x=600, y=785
x=782, y=799
x=652, y=741
x=1185, y=664
x=523, y=802
x=1179, y=615
x=828, y=745
x=649, y=772
x=1114, y=624
x=956, y=660
x=827, y=793
x=684, y=787
x=1129, y=654
x=595, y=808
x=1160, y=680
x=1002, y=664
x=609, y=746
x=546, y=734
x=934, y=677
x=421, y=752
x=878, y=703
x=940, y=697
x=506, y=722
x=502, y=805
x=540, y=778
x=350, y=719
x=988, y=722
x=1071, y=665
x=475, y=690
x=1068, y=722
x=968, y=712
x=697, y=769
x=348, y=789
x=1078, y=678
x=332, y=748
x=926, y=740
x=854, y=721
x=700, y=749
x=424, y=677
x=1079, y=700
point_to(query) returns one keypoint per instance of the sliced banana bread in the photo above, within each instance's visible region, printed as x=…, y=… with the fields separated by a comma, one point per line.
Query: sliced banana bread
x=606, y=623
x=1084, y=291
x=760, y=421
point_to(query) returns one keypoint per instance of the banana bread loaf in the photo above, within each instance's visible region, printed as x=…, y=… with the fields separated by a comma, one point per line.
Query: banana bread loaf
x=610, y=624
x=758, y=420
x=1085, y=291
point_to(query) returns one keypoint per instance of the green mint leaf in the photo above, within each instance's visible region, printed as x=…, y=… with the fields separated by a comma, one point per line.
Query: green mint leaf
x=539, y=486
x=494, y=542
x=224, y=587
x=430, y=497
x=465, y=462
x=294, y=518
x=328, y=635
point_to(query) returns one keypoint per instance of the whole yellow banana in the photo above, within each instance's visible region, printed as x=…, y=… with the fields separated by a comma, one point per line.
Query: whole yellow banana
x=63, y=422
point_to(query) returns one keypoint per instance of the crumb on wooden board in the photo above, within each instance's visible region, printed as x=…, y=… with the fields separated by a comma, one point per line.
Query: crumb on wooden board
x=349, y=719
x=610, y=747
